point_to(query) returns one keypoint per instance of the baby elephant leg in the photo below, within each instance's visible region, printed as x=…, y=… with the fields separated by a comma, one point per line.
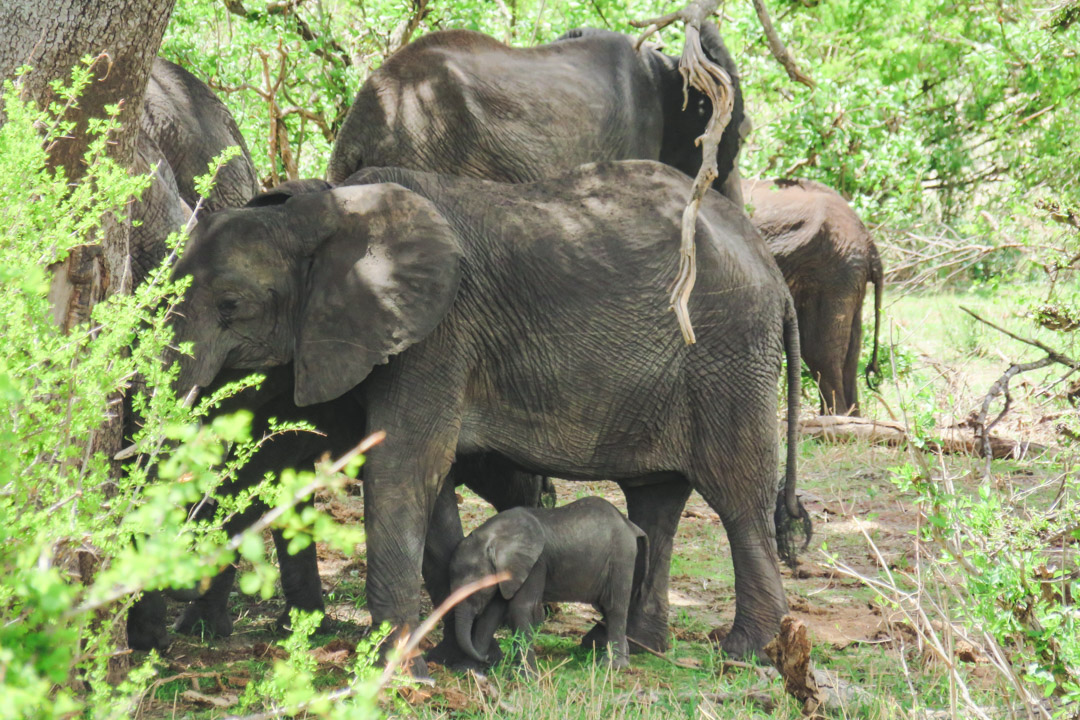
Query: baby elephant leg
x=616, y=607
x=525, y=607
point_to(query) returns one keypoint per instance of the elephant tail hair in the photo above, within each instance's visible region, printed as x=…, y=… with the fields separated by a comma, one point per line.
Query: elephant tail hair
x=877, y=276
x=790, y=514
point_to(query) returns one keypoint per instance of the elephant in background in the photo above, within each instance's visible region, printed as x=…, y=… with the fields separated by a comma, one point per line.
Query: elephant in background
x=827, y=257
x=462, y=103
x=184, y=126
x=525, y=323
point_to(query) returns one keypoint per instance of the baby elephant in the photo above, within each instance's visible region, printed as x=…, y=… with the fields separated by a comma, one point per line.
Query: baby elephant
x=582, y=552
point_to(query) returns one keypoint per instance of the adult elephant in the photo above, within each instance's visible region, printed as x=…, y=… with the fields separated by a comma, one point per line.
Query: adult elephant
x=827, y=257
x=527, y=323
x=462, y=103
x=184, y=126
x=341, y=425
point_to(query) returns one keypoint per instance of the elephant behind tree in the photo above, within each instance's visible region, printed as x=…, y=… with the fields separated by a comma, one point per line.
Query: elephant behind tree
x=184, y=126
x=827, y=257
x=526, y=322
x=462, y=103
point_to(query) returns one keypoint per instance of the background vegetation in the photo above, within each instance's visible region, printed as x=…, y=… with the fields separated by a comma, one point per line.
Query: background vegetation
x=950, y=126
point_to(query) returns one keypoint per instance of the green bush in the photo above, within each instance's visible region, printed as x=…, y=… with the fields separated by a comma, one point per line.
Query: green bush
x=79, y=541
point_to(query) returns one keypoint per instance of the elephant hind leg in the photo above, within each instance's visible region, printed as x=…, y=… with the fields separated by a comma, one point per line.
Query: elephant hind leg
x=824, y=341
x=655, y=505
x=737, y=477
x=851, y=361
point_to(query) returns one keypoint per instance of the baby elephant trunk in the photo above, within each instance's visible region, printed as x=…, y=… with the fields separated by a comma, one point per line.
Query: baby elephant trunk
x=465, y=616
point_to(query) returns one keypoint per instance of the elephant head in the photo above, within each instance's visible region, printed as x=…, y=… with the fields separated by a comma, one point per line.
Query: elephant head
x=335, y=281
x=500, y=545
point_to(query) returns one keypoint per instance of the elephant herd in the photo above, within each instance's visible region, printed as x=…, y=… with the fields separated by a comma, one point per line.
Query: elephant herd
x=483, y=277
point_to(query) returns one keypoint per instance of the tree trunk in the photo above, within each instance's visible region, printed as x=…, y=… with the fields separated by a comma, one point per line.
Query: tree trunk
x=52, y=36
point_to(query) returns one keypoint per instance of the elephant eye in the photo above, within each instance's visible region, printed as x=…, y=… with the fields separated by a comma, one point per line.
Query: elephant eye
x=227, y=306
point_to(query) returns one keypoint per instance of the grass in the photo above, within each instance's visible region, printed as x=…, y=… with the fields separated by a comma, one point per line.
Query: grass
x=864, y=517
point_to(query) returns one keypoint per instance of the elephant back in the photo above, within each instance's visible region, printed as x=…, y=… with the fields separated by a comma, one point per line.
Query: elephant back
x=191, y=126
x=813, y=233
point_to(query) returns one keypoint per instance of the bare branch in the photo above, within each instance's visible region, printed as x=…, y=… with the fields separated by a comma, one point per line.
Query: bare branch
x=777, y=48
x=1053, y=354
x=400, y=36
x=287, y=8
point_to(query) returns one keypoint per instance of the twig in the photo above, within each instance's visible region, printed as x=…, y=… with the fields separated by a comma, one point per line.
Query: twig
x=287, y=8
x=1053, y=354
x=982, y=428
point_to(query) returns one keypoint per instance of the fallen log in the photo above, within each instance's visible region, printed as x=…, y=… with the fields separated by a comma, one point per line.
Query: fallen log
x=952, y=441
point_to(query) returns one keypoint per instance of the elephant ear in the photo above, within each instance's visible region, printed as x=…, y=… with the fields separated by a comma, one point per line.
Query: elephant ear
x=516, y=549
x=383, y=276
x=288, y=189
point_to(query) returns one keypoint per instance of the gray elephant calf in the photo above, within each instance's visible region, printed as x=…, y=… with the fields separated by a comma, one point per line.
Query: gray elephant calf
x=582, y=552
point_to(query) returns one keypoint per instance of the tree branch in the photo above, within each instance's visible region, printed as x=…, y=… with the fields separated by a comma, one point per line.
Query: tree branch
x=982, y=428
x=777, y=48
x=288, y=8
x=711, y=79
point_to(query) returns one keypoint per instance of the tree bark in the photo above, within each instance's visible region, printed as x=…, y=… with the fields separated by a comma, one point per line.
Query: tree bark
x=52, y=36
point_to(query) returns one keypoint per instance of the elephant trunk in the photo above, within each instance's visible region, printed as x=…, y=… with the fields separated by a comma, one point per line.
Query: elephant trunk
x=464, y=617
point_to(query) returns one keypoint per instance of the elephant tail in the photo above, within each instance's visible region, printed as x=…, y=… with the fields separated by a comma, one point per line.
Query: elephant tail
x=877, y=276
x=790, y=513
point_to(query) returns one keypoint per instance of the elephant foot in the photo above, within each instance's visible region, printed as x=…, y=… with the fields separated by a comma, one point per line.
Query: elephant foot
x=743, y=645
x=146, y=623
x=449, y=655
x=283, y=624
x=652, y=638
x=199, y=618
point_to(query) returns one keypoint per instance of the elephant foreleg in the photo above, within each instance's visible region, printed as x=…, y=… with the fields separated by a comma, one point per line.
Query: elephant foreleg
x=444, y=534
x=300, y=579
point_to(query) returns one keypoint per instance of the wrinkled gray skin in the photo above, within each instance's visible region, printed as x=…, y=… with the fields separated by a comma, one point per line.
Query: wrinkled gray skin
x=585, y=551
x=462, y=103
x=527, y=322
x=183, y=127
x=827, y=257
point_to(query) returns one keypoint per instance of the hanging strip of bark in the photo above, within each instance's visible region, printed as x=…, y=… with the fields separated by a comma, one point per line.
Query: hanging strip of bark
x=708, y=77
x=777, y=48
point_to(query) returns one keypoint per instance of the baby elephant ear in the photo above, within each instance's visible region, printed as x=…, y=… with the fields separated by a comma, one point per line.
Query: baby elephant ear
x=515, y=548
x=383, y=276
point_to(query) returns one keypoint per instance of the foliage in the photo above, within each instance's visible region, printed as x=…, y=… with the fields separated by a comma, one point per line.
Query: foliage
x=78, y=541
x=1020, y=576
